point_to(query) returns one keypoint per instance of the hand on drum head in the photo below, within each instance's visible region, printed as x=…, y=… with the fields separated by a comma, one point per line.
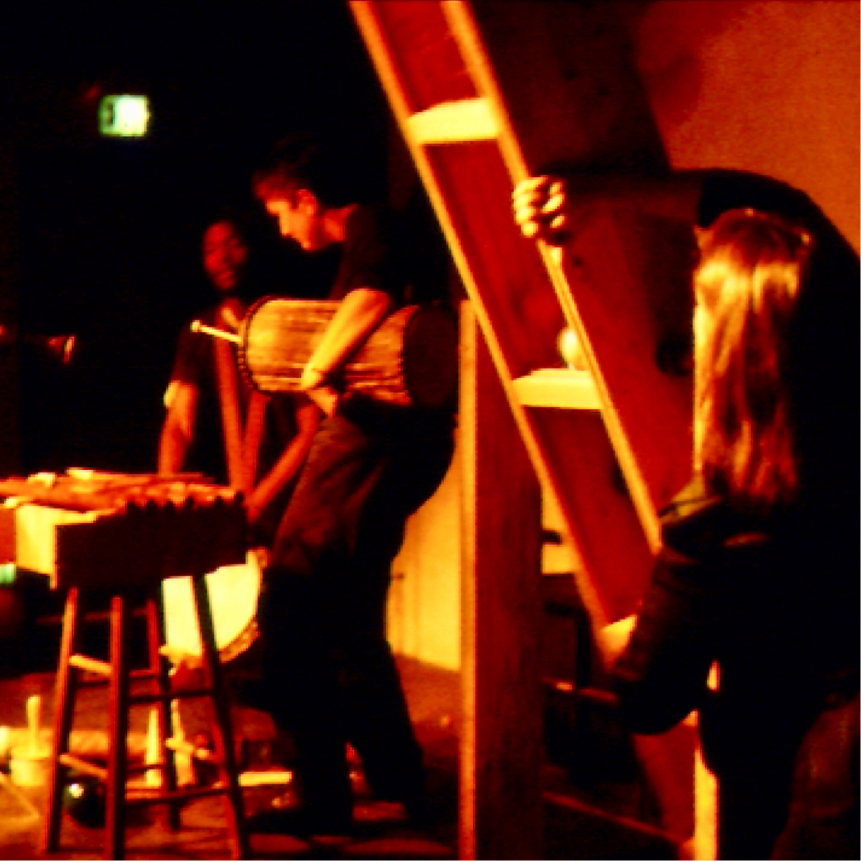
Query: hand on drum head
x=325, y=397
x=315, y=384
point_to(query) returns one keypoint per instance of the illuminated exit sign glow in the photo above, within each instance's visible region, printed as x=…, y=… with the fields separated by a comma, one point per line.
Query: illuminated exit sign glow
x=124, y=116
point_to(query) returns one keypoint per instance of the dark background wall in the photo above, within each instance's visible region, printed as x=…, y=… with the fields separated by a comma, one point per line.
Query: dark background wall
x=102, y=235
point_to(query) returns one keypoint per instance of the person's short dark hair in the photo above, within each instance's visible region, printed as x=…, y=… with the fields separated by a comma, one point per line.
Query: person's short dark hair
x=255, y=281
x=299, y=161
x=228, y=214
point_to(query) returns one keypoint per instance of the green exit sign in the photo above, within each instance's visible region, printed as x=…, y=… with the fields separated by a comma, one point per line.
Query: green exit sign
x=124, y=116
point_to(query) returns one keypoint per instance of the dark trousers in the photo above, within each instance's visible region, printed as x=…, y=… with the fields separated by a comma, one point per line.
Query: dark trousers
x=327, y=665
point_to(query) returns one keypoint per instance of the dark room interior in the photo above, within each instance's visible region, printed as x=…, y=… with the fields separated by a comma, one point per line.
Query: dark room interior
x=573, y=412
x=108, y=229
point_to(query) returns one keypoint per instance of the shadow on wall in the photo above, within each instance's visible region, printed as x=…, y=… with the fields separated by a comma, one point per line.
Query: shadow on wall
x=664, y=37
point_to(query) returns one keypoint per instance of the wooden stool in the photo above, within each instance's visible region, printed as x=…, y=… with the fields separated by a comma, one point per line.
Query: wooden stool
x=117, y=674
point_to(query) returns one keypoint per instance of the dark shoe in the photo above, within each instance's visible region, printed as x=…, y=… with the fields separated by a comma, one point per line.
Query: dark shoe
x=414, y=811
x=413, y=798
x=299, y=822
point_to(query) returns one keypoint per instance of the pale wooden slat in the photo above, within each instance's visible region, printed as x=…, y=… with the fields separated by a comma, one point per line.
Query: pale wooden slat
x=454, y=122
x=82, y=765
x=559, y=389
x=90, y=665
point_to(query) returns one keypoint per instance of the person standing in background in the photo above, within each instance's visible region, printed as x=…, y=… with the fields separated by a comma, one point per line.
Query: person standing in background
x=215, y=423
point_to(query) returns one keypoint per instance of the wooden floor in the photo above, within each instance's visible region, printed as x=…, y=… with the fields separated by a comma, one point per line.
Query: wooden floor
x=380, y=829
x=593, y=806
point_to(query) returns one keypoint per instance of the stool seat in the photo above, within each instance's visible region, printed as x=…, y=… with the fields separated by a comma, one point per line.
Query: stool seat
x=117, y=674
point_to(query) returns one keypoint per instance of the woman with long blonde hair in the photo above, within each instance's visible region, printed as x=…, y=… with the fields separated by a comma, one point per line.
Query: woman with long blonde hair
x=746, y=288
x=743, y=580
x=758, y=572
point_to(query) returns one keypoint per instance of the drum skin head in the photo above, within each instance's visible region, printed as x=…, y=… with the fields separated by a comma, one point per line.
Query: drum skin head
x=233, y=592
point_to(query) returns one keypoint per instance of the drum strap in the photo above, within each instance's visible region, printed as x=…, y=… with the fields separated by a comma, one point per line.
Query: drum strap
x=253, y=433
x=231, y=420
x=241, y=448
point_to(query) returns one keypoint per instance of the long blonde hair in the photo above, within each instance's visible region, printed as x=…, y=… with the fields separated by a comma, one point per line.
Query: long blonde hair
x=751, y=269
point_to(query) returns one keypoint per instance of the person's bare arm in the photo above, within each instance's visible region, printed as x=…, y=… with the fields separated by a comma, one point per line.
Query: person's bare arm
x=177, y=431
x=360, y=312
x=288, y=464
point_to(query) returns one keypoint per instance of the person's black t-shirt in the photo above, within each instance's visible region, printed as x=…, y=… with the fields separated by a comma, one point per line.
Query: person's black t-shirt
x=373, y=254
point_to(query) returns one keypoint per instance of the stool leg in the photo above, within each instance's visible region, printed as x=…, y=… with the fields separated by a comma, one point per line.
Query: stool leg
x=157, y=666
x=223, y=736
x=118, y=731
x=64, y=707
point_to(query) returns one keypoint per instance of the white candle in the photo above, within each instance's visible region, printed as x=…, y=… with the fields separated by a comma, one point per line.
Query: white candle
x=34, y=718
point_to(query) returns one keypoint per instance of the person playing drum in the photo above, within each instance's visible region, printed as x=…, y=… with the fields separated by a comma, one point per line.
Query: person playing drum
x=262, y=441
x=322, y=606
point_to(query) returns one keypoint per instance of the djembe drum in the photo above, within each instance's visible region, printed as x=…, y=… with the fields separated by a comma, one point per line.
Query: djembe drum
x=409, y=360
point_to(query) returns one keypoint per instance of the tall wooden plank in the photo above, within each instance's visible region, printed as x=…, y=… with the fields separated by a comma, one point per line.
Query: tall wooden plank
x=567, y=79
x=436, y=73
x=554, y=86
x=630, y=276
x=501, y=742
x=563, y=82
x=518, y=309
x=521, y=321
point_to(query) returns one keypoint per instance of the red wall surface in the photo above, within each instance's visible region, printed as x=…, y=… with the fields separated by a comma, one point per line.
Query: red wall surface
x=761, y=85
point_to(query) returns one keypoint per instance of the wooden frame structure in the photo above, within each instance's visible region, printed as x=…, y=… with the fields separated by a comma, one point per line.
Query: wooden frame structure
x=486, y=94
